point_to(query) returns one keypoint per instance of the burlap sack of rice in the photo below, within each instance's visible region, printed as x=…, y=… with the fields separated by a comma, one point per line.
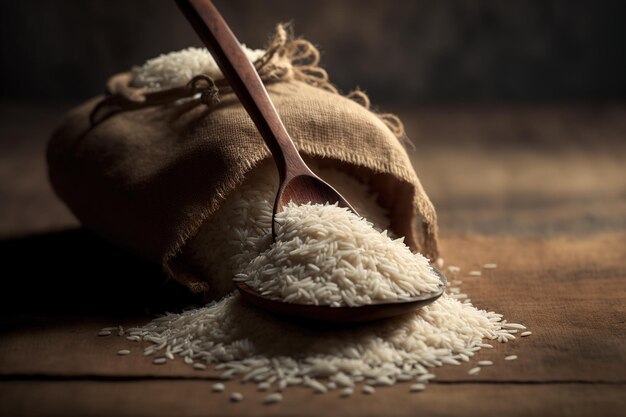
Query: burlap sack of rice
x=145, y=167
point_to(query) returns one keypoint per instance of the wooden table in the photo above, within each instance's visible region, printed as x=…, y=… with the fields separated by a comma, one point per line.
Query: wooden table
x=541, y=191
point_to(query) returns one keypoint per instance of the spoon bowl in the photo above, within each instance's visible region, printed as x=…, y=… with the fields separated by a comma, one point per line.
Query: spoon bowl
x=306, y=188
x=345, y=314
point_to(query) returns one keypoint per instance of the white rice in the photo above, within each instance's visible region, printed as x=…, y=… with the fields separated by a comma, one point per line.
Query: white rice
x=474, y=371
x=326, y=255
x=252, y=346
x=240, y=230
x=368, y=389
x=418, y=387
x=346, y=392
x=236, y=397
x=123, y=352
x=514, y=326
x=273, y=398
x=428, y=376
x=510, y=358
x=179, y=67
x=316, y=385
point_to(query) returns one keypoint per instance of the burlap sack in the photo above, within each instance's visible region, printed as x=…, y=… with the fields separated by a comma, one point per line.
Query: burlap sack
x=154, y=168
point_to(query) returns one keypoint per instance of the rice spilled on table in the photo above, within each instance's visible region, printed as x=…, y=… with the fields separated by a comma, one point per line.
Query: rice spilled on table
x=322, y=255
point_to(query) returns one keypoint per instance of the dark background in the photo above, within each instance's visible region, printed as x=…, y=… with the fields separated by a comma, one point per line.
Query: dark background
x=399, y=51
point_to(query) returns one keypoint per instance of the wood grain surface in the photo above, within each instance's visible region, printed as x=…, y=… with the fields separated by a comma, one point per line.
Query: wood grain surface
x=540, y=191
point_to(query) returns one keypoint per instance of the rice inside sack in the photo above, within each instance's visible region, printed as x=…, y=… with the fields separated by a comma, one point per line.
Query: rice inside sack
x=241, y=229
x=179, y=67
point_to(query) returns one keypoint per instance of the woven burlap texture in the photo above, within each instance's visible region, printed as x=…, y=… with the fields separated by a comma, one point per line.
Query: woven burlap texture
x=147, y=179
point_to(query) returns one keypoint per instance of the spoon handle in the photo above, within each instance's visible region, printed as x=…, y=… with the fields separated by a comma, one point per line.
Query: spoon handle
x=245, y=82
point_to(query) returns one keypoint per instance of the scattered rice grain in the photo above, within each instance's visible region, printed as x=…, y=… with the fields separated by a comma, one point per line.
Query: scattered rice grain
x=474, y=371
x=273, y=398
x=346, y=392
x=368, y=389
x=425, y=377
x=418, y=387
x=236, y=397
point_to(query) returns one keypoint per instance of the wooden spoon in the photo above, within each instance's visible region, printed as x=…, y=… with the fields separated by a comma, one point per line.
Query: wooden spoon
x=298, y=183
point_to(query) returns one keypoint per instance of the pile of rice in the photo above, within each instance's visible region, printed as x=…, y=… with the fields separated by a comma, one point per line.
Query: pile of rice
x=247, y=344
x=327, y=255
x=255, y=347
x=239, y=234
x=322, y=255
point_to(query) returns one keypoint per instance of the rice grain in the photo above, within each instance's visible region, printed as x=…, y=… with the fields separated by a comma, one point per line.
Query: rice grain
x=425, y=378
x=346, y=392
x=236, y=397
x=368, y=389
x=474, y=371
x=418, y=387
x=273, y=398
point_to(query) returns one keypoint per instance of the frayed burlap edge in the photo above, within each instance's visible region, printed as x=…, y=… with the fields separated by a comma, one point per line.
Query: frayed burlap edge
x=290, y=58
